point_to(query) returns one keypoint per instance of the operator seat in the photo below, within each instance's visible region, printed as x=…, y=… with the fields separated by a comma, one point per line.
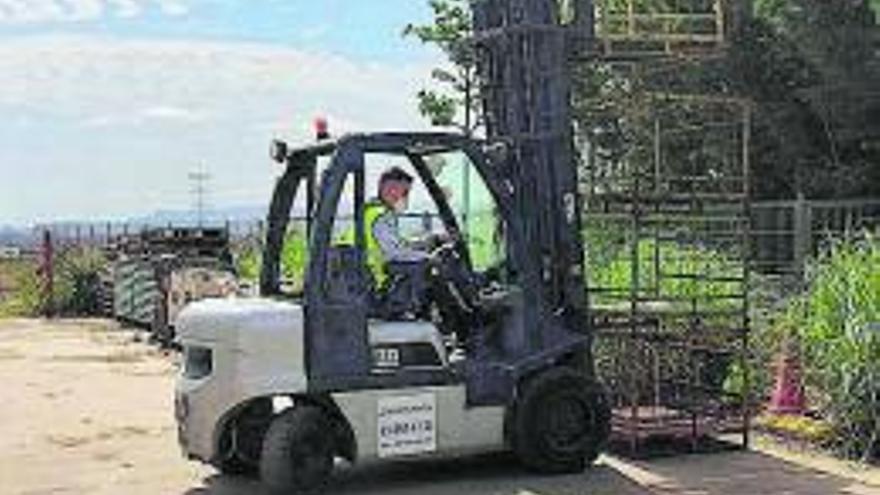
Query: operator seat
x=407, y=294
x=404, y=295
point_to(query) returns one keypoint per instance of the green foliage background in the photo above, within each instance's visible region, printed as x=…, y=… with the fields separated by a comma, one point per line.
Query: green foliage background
x=840, y=349
x=25, y=300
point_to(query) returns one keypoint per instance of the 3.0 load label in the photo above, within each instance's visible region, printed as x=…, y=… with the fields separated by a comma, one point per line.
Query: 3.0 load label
x=407, y=425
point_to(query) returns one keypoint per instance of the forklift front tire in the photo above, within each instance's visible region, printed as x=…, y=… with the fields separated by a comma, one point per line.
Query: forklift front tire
x=236, y=466
x=561, y=422
x=297, y=451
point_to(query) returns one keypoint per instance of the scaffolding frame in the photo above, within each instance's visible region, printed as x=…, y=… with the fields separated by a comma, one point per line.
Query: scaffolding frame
x=673, y=212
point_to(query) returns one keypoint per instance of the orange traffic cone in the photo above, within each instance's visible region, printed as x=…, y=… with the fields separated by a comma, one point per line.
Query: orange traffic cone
x=788, y=392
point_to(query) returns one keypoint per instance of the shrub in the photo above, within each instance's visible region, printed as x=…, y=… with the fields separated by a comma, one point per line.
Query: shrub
x=248, y=260
x=294, y=257
x=75, y=290
x=26, y=300
x=769, y=296
x=77, y=281
x=841, y=353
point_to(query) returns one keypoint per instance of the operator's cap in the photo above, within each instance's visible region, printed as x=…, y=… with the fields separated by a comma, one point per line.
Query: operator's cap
x=396, y=174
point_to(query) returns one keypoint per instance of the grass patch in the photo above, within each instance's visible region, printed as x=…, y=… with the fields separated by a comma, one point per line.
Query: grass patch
x=692, y=276
x=803, y=428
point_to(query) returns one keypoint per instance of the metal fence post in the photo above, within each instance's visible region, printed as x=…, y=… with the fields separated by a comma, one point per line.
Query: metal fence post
x=47, y=273
x=803, y=233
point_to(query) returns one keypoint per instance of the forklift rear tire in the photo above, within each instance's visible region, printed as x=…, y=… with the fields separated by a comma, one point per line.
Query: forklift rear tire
x=297, y=451
x=561, y=422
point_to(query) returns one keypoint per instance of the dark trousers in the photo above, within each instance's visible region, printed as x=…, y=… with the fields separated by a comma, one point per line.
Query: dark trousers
x=406, y=292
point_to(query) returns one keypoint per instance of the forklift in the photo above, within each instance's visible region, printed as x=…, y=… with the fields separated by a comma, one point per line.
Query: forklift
x=290, y=384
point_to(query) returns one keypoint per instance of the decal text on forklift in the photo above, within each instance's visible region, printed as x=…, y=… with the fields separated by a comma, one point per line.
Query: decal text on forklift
x=406, y=425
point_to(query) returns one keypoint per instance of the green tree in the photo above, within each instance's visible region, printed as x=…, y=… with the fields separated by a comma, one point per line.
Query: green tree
x=455, y=102
x=812, y=68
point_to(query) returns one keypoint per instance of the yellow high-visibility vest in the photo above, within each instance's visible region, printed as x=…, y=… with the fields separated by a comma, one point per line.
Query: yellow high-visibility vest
x=373, y=210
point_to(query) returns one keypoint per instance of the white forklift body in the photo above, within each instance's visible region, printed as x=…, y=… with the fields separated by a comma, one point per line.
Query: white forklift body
x=239, y=350
x=234, y=350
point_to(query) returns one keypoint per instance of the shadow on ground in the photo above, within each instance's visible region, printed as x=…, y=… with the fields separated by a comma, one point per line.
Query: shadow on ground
x=731, y=473
x=493, y=474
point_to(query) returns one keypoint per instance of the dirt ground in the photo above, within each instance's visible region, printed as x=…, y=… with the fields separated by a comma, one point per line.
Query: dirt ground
x=87, y=410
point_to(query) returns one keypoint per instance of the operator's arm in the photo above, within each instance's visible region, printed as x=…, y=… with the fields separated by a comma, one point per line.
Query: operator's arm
x=395, y=248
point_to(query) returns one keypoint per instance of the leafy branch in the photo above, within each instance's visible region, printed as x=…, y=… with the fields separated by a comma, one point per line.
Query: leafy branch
x=454, y=103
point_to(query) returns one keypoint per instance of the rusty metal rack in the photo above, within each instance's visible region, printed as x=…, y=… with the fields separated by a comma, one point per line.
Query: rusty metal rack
x=667, y=229
x=179, y=241
x=628, y=28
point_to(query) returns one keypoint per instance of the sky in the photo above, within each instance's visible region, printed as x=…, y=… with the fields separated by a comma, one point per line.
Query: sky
x=106, y=106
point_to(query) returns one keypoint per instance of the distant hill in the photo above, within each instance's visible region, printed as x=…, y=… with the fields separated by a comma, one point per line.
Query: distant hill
x=242, y=220
x=213, y=217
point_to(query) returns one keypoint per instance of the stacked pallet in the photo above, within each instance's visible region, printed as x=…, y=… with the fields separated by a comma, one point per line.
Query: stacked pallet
x=135, y=290
x=145, y=266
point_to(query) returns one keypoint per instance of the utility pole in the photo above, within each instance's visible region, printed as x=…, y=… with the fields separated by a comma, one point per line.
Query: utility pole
x=199, y=190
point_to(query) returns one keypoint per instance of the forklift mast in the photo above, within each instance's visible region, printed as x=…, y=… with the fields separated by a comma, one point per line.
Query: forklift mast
x=523, y=54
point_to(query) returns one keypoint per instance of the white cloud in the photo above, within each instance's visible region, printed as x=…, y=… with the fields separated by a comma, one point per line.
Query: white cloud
x=95, y=80
x=172, y=114
x=173, y=7
x=166, y=115
x=134, y=114
x=47, y=11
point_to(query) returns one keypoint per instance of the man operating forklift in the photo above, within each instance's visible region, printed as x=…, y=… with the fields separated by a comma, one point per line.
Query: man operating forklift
x=385, y=244
x=399, y=266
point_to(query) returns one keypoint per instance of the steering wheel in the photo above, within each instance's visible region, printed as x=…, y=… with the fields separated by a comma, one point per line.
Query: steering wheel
x=451, y=267
x=445, y=249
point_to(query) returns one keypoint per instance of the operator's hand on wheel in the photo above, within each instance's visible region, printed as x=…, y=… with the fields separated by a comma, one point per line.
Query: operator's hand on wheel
x=442, y=249
x=438, y=240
